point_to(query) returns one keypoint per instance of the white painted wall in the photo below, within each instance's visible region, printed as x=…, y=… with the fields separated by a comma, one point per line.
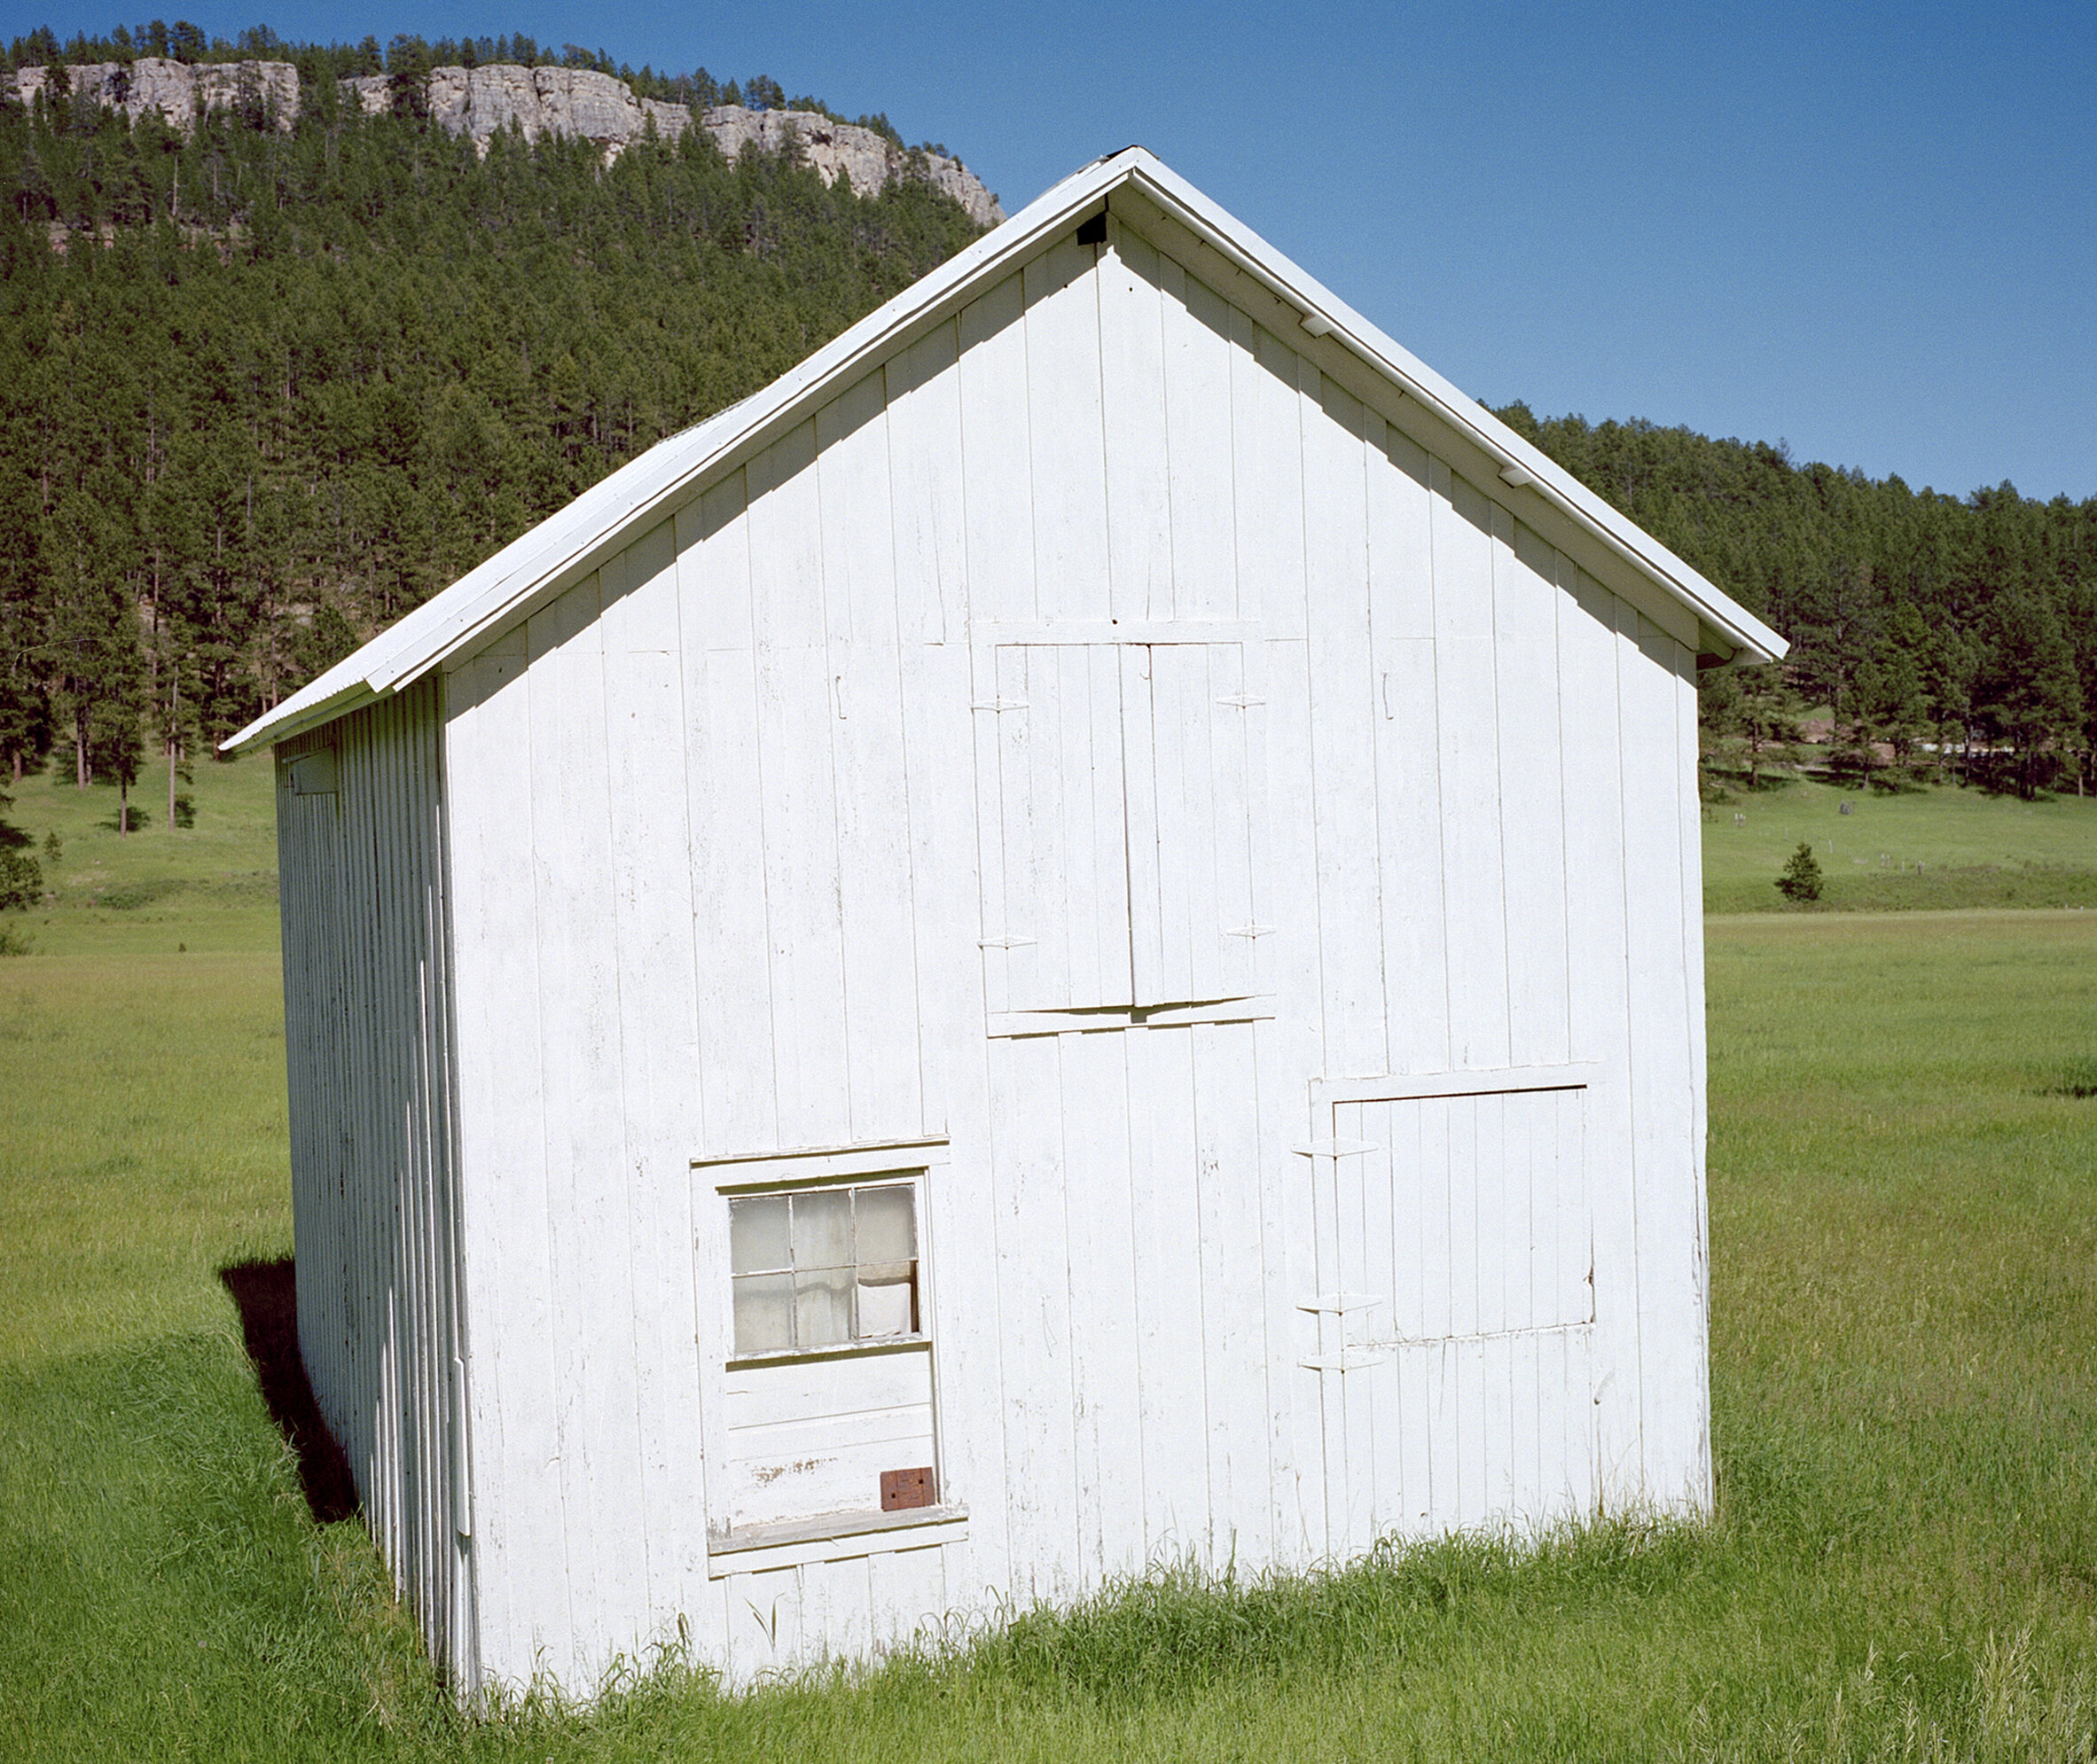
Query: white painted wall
x=734, y=824
x=367, y=1022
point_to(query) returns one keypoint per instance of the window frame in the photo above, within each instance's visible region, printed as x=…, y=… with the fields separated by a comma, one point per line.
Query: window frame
x=719, y=1178
x=910, y=1180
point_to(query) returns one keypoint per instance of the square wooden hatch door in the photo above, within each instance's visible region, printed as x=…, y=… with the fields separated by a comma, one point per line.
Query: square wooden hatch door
x=1454, y=1311
x=1119, y=785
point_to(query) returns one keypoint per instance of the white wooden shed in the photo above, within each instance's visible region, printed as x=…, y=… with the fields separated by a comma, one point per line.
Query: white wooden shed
x=1070, y=940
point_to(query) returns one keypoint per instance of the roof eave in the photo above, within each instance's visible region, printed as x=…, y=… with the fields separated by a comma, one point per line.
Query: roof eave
x=1520, y=463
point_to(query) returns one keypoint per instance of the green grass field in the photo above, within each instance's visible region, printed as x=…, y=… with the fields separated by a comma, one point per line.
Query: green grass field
x=1904, y=1563
x=210, y=886
x=1922, y=850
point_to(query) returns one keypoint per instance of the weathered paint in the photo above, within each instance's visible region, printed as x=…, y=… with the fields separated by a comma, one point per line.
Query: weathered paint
x=1110, y=764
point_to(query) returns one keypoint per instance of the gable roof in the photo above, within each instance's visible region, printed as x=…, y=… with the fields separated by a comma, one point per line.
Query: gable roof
x=563, y=548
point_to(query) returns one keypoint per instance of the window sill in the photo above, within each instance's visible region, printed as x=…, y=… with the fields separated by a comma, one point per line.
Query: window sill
x=840, y=1350
x=830, y=1536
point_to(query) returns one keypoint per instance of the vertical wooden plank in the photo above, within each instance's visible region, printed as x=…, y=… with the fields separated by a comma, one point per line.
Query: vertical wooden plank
x=1150, y=976
x=1445, y=1512
x=1473, y=1436
x=801, y=885
x=1203, y=855
x=1105, y=1272
x=1267, y=417
x=1064, y=857
x=764, y=1628
x=923, y=390
x=1358, y=1387
x=1133, y=407
x=1004, y=718
x=1267, y=465
x=1590, y=722
x=1382, y=1236
x=1464, y=1160
x=1494, y=1241
x=1532, y=1410
x=581, y=1079
x=1697, y=1478
x=1670, y=1335
x=1532, y=808
x=726, y=791
x=1343, y=760
x=837, y=1611
x=908, y=1588
x=1170, y=1334
x=1404, y=717
x=649, y=806
x=1234, y=1332
x=1401, y=1128
x=881, y=1017
x=1065, y=435
x=1467, y=716
x=1034, y=1292
x=997, y=481
x=1199, y=432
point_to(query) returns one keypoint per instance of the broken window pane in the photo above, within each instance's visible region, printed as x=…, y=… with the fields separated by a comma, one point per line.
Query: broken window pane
x=763, y=1313
x=888, y=1299
x=757, y=1234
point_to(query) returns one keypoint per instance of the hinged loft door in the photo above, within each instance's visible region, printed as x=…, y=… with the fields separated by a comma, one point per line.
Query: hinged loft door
x=1117, y=789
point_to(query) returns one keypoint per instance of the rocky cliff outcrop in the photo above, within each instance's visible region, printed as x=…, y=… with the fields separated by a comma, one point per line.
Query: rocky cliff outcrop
x=568, y=102
x=175, y=89
x=562, y=102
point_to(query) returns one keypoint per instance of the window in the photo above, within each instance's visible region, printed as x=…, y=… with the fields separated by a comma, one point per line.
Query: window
x=824, y=1268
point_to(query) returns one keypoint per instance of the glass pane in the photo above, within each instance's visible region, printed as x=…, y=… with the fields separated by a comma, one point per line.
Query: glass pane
x=757, y=1234
x=822, y=1307
x=763, y=1313
x=888, y=1299
x=887, y=1231
x=822, y=1229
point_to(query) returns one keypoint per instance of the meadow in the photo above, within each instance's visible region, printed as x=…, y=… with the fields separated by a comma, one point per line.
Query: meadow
x=1902, y=1564
x=1937, y=847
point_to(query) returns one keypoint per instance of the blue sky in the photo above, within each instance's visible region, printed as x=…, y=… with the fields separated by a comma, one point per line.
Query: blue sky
x=1869, y=231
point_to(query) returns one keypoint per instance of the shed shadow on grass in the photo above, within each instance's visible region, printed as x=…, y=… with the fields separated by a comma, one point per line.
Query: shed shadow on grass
x=266, y=1294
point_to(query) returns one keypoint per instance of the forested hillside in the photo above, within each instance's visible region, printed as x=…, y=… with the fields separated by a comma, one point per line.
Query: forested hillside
x=261, y=389
x=1931, y=635
x=266, y=383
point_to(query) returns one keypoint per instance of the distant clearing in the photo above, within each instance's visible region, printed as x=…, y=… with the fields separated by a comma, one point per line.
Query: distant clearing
x=1930, y=850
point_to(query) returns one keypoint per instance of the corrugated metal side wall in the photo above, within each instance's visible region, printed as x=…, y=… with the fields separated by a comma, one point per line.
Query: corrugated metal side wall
x=367, y=967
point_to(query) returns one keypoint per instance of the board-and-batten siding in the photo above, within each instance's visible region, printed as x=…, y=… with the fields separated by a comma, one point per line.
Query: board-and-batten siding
x=732, y=826
x=360, y=844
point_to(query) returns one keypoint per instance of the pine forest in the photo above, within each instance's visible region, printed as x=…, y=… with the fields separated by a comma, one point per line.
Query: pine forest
x=263, y=388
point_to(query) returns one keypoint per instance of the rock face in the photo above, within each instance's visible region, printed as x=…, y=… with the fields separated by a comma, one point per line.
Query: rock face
x=562, y=102
x=175, y=89
x=843, y=149
x=565, y=102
